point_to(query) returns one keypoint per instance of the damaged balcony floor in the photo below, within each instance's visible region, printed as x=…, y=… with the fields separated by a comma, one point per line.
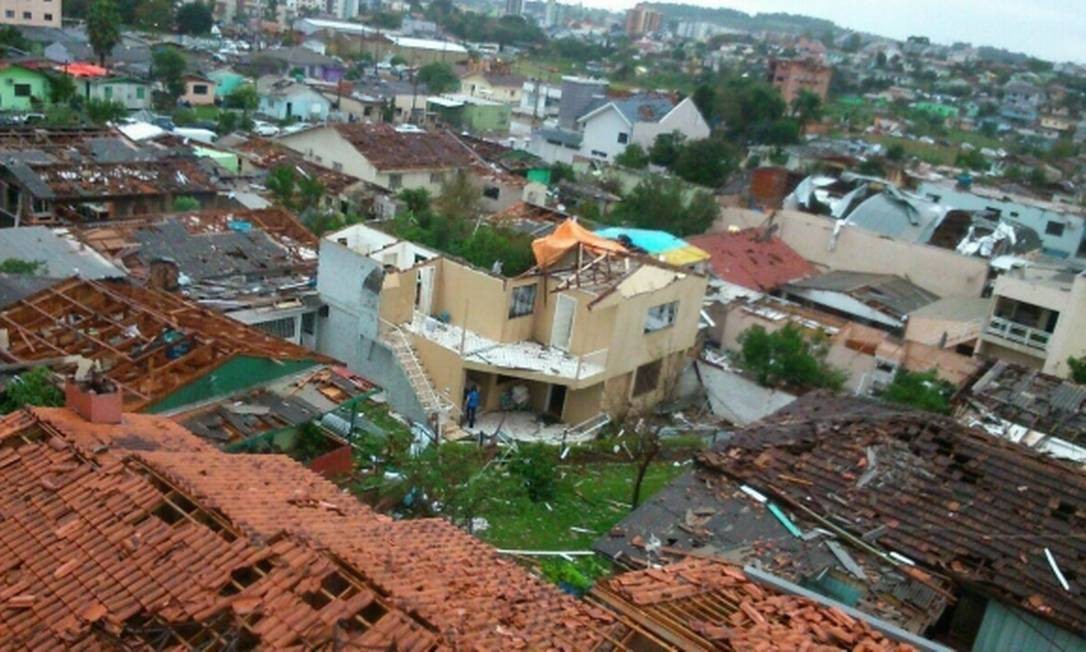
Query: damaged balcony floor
x=526, y=427
x=521, y=356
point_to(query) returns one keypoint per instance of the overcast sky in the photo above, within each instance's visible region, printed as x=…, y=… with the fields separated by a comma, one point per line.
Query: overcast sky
x=1050, y=29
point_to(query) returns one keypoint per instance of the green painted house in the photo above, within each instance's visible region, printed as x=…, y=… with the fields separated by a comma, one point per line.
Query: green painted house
x=19, y=85
x=471, y=113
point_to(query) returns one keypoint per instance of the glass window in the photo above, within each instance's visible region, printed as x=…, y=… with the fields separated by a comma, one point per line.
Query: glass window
x=1054, y=228
x=661, y=316
x=523, y=302
x=10, y=13
x=108, y=90
x=337, y=166
x=623, y=137
x=199, y=89
x=48, y=16
x=437, y=177
x=140, y=92
x=395, y=181
x=27, y=15
x=22, y=90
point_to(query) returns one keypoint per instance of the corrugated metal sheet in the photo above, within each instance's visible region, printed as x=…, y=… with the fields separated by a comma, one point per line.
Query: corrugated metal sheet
x=1006, y=629
x=62, y=256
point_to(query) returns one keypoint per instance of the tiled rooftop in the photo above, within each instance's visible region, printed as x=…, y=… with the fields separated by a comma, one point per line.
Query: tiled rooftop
x=139, y=534
x=389, y=149
x=752, y=261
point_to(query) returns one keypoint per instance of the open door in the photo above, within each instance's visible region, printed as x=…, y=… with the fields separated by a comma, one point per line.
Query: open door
x=424, y=289
x=562, y=330
x=556, y=402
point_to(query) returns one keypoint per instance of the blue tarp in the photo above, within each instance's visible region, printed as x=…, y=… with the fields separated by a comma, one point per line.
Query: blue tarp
x=654, y=242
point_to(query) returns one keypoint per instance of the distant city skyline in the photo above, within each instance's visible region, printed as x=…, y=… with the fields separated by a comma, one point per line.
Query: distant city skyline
x=1049, y=29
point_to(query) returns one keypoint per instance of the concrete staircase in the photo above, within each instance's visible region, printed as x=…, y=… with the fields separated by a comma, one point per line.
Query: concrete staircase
x=430, y=399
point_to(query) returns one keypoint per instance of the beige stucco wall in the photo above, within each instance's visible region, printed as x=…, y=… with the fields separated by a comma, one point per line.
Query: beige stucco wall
x=324, y=145
x=937, y=270
x=192, y=98
x=38, y=9
x=930, y=330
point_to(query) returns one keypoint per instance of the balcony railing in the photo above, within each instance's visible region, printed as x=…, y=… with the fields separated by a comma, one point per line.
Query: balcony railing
x=1019, y=333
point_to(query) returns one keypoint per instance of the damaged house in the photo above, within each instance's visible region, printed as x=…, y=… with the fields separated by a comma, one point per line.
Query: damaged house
x=87, y=174
x=942, y=530
x=255, y=266
x=589, y=333
x=160, y=350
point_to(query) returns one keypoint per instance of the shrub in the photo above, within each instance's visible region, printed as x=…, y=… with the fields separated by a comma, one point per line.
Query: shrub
x=536, y=466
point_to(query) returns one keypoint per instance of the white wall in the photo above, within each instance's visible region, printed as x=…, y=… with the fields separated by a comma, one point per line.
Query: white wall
x=684, y=118
x=601, y=134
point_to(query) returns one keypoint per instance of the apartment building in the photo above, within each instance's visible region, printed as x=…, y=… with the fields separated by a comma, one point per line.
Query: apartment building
x=793, y=76
x=36, y=13
x=642, y=19
x=588, y=334
x=1036, y=319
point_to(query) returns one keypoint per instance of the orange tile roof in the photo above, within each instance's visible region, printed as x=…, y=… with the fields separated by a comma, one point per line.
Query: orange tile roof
x=709, y=604
x=138, y=534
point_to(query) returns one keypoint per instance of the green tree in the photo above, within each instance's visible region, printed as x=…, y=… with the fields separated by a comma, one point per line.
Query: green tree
x=1078, y=369
x=459, y=198
x=310, y=193
x=243, y=97
x=707, y=162
x=787, y=358
x=562, y=172
x=438, y=77
x=416, y=200
x=662, y=203
x=194, y=18
x=103, y=28
x=920, y=389
x=634, y=157
x=807, y=107
x=971, y=159
x=705, y=100
x=153, y=15
x=282, y=183
x=11, y=37
x=895, y=152
x=19, y=266
x=454, y=476
x=185, y=204
x=168, y=67
x=665, y=149
x=103, y=111
x=535, y=465
x=34, y=387
x=61, y=88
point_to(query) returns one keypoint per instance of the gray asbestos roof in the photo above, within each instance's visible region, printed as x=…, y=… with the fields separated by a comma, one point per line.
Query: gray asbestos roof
x=885, y=292
x=63, y=257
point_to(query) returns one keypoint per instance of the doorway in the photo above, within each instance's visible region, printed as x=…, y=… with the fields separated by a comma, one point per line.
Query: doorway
x=562, y=330
x=556, y=401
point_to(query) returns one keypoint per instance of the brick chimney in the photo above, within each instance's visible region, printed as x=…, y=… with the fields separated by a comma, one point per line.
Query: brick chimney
x=95, y=399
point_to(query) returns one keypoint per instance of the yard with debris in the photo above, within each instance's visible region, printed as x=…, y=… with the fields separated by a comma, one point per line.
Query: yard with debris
x=588, y=501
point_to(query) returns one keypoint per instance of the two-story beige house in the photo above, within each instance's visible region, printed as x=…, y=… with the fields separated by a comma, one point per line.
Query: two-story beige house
x=36, y=13
x=588, y=334
x=1037, y=319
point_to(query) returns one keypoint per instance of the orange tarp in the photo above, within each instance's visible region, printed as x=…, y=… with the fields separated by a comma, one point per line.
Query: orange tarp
x=549, y=249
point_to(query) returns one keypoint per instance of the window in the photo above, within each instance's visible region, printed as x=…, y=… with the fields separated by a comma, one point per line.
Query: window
x=1054, y=228
x=337, y=166
x=283, y=327
x=309, y=323
x=9, y=13
x=623, y=137
x=492, y=192
x=140, y=92
x=523, y=302
x=598, y=154
x=22, y=90
x=48, y=16
x=199, y=89
x=27, y=15
x=108, y=90
x=437, y=177
x=661, y=316
x=646, y=378
x=395, y=181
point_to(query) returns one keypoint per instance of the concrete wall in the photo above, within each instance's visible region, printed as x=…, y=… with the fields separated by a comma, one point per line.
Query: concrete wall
x=601, y=134
x=324, y=145
x=684, y=118
x=1068, y=338
x=937, y=270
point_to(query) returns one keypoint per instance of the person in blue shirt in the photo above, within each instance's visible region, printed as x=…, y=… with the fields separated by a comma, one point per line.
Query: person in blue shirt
x=471, y=405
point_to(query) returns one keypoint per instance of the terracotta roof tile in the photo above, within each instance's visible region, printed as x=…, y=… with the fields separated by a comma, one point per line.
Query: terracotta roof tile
x=744, y=258
x=389, y=149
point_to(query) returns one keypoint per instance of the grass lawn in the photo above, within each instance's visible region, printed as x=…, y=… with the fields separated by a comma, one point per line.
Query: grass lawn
x=583, y=499
x=206, y=112
x=935, y=154
x=542, y=69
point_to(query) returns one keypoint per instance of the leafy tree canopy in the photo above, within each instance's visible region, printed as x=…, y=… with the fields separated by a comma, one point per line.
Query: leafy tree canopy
x=34, y=387
x=666, y=204
x=19, y=266
x=103, y=28
x=194, y=18
x=1078, y=369
x=634, y=156
x=168, y=67
x=439, y=77
x=788, y=358
x=923, y=390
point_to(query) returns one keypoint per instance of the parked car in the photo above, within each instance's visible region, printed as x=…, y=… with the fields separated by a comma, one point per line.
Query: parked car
x=266, y=129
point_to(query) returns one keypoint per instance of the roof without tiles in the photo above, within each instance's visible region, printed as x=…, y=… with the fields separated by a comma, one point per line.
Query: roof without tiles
x=884, y=292
x=251, y=550
x=389, y=149
x=708, y=604
x=748, y=259
x=960, y=503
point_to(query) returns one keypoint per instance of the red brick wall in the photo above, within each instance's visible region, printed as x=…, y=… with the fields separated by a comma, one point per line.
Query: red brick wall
x=336, y=463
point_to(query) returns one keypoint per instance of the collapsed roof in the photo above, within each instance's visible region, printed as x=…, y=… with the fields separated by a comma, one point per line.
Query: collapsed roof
x=390, y=149
x=138, y=534
x=960, y=504
x=149, y=343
